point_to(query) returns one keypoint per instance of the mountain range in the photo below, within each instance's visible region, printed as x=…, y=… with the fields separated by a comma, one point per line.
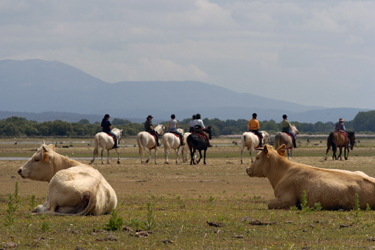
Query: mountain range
x=48, y=90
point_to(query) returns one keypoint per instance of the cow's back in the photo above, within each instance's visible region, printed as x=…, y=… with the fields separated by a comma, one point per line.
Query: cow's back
x=69, y=187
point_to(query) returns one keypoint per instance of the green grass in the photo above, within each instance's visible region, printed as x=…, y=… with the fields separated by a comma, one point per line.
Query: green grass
x=183, y=221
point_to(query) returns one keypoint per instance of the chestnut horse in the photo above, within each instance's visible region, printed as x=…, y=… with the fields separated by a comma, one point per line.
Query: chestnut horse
x=198, y=142
x=340, y=139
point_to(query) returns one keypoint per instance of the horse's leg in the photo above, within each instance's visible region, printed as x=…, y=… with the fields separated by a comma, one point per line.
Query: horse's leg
x=251, y=157
x=204, y=159
x=177, y=153
x=340, y=154
x=166, y=152
x=325, y=158
x=93, y=158
x=156, y=152
x=102, y=155
x=118, y=156
x=346, y=156
x=291, y=153
x=149, y=157
x=200, y=155
x=107, y=156
x=241, y=154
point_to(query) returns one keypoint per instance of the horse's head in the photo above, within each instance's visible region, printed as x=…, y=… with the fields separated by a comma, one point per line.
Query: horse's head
x=209, y=131
x=294, y=130
x=160, y=129
x=352, y=140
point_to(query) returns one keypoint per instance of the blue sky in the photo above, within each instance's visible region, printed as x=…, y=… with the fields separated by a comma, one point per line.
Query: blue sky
x=317, y=53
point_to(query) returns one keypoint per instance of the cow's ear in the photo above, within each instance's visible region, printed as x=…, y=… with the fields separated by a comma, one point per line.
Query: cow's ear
x=45, y=153
x=281, y=150
x=265, y=150
x=51, y=146
x=45, y=148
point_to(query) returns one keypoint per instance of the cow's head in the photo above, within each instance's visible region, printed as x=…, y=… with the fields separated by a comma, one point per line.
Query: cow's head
x=39, y=167
x=262, y=163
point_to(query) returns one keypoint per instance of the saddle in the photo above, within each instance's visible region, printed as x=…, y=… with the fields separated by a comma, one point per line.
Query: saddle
x=345, y=134
x=176, y=135
x=154, y=138
x=113, y=138
x=258, y=139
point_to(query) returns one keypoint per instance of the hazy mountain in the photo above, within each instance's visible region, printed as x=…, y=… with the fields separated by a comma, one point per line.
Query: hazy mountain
x=39, y=86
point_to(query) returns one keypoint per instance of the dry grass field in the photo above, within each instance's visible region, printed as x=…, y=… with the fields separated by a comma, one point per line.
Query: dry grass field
x=173, y=203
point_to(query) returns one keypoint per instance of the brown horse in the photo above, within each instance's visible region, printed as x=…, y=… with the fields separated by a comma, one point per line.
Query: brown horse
x=340, y=139
x=284, y=138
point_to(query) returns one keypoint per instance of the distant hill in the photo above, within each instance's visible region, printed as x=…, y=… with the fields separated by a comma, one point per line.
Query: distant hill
x=59, y=90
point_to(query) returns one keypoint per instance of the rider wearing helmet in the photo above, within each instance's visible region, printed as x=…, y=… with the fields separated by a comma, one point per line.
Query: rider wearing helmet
x=149, y=128
x=286, y=128
x=253, y=126
x=199, y=126
x=107, y=128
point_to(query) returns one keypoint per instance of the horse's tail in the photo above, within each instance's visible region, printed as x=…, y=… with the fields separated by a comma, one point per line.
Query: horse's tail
x=332, y=141
x=139, y=141
x=96, y=141
x=277, y=140
x=166, y=144
x=247, y=141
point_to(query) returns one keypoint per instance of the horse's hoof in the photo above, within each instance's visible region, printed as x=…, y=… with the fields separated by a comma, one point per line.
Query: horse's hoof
x=147, y=161
x=118, y=162
x=166, y=162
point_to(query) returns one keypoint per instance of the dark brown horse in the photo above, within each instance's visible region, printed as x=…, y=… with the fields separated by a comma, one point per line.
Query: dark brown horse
x=198, y=142
x=340, y=139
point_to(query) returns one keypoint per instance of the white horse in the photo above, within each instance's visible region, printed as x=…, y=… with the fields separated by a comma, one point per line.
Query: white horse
x=172, y=141
x=145, y=139
x=251, y=142
x=284, y=138
x=105, y=141
x=185, y=148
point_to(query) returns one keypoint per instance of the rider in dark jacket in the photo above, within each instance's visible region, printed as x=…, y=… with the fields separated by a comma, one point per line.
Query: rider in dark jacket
x=107, y=128
x=149, y=128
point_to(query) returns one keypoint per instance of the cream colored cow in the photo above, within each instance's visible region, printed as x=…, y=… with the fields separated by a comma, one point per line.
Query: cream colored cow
x=332, y=188
x=74, y=188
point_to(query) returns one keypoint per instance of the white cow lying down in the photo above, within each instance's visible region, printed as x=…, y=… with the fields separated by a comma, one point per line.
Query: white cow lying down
x=74, y=188
x=333, y=188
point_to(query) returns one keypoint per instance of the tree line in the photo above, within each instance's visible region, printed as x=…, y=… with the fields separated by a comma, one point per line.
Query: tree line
x=363, y=122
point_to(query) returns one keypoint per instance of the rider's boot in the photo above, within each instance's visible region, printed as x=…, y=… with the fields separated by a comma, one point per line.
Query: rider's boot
x=115, y=146
x=157, y=142
x=182, y=142
x=294, y=143
x=209, y=144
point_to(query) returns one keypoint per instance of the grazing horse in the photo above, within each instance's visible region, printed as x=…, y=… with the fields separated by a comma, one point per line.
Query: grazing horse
x=198, y=142
x=284, y=138
x=251, y=142
x=105, y=141
x=145, y=139
x=344, y=139
x=172, y=141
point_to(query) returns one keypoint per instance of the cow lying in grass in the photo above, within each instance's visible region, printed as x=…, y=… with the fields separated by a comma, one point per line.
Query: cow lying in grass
x=74, y=188
x=332, y=188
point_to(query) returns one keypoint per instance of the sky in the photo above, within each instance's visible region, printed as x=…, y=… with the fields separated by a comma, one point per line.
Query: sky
x=315, y=53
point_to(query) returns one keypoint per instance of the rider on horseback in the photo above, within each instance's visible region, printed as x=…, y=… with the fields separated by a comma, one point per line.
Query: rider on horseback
x=172, y=128
x=149, y=128
x=199, y=126
x=286, y=129
x=340, y=125
x=253, y=126
x=191, y=125
x=107, y=127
